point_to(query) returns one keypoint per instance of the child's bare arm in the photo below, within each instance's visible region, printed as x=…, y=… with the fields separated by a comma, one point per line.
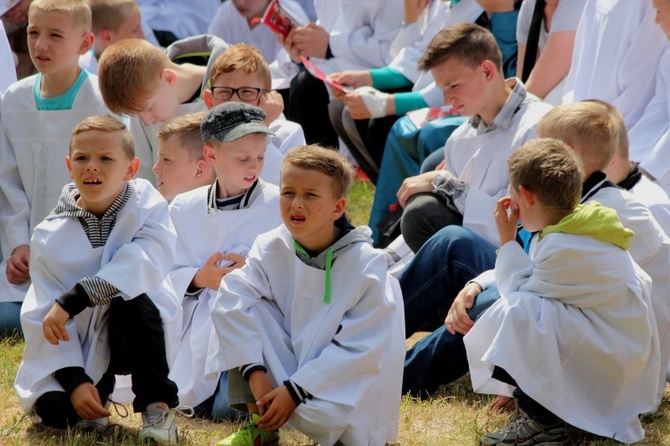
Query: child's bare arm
x=86, y=402
x=18, y=265
x=53, y=325
x=210, y=275
x=260, y=386
x=280, y=406
x=507, y=223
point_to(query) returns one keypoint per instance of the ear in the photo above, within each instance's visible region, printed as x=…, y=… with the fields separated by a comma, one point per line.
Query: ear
x=133, y=167
x=68, y=161
x=489, y=70
x=169, y=76
x=105, y=37
x=528, y=197
x=201, y=168
x=340, y=206
x=209, y=153
x=87, y=40
x=209, y=99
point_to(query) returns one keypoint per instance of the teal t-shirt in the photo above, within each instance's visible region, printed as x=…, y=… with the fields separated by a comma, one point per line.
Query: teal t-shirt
x=62, y=102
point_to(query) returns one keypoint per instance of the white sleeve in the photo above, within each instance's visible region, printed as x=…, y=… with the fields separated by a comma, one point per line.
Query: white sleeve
x=183, y=270
x=513, y=267
x=15, y=214
x=567, y=15
x=523, y=21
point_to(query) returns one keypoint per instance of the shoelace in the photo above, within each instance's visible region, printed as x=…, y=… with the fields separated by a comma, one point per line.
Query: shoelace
x=119, y=408
x=519, y=418
x=158, y=419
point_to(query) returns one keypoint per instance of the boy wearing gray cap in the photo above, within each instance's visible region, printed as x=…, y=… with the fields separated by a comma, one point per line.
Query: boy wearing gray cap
x=216, y=226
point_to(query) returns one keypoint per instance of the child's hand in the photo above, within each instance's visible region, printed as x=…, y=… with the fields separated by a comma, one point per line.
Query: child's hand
x=238, y=262
x=272, y=104
x=458, y=320
x=311, y=40
x=53, y=325
x=18, y=265
x=281, y=406
x=414, y=185
x=357, y=107
x=289, y=46
x=86, y=402
x=260, y=385
x=209, y=276
x=507, y=224
x=355, y=79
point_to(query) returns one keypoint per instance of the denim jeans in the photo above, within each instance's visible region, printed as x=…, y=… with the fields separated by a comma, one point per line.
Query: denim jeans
x=430, y=283
x=10, y=318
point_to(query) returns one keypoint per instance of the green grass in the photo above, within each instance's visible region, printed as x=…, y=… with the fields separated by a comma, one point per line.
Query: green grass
x=455, y=416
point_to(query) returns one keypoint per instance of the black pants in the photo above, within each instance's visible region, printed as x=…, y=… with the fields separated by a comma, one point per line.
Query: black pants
x=137, y=344
x=534, y=409
x=308, y=106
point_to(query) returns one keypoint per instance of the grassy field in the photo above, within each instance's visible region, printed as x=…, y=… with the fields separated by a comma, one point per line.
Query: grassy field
x=454, y=416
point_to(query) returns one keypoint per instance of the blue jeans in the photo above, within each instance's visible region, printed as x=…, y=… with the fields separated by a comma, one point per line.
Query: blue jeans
x=406, y=148
x=10, y=318
x=216, y=407
x=430, y=283
x=440, y=357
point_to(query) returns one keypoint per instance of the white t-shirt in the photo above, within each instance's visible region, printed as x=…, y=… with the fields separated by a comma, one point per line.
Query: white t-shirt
x=565, y=18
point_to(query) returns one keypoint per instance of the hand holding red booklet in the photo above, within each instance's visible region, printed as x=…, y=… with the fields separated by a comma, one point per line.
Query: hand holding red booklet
x=282, y=18
x=319, y=74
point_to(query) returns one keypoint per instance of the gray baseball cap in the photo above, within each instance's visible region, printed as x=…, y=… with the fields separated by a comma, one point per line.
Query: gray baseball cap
x=231, y=121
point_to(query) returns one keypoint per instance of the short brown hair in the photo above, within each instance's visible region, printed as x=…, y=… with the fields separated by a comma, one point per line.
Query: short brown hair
x=78, y=10
x=589, y=127
x=550, y=169
x=128, y=74
x=186, y=128
x=109, y=14
x=470, y=44
x=242, y=57
x=107, y=124
x=327, y=161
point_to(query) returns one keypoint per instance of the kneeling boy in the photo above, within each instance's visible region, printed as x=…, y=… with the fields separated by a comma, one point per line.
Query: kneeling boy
x=99, y=304
x=313, y=321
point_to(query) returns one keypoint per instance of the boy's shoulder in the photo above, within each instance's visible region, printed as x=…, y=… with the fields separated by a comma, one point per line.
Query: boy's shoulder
x=17, y=93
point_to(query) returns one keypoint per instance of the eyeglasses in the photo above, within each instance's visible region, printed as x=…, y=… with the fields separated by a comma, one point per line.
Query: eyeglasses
x=244, y=93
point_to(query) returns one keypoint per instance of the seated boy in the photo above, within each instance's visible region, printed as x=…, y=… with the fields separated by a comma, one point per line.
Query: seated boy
x=38, y=115
x=113, y=20
x=467, y=64
x=181, y=164
x=241, y=74
x=137, y=78
x=99, y=304
x=313, y=321
x=579, y=297
x=216, y=226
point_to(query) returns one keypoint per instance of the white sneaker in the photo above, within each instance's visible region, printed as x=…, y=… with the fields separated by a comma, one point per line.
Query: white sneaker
x=159, y=423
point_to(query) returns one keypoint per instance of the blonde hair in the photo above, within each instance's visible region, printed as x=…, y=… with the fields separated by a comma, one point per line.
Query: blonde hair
x=468, y=43
x=550, y=169
x=128, y=74
x=109, y=14
x=77, y=10
x=186, y=128
x=327, y=161
x=107, y=124
x=245, y=58
x=590, y=127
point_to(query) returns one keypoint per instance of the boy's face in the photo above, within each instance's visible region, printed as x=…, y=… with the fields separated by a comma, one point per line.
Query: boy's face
x=174, y=170
x=54, y=42
x=235, y=79
x=163, y=103
x=99, y=167
x=251, y=8
x=531, y=212
x=464, y=88
x=309, y=206
x=662, y=15
x=238, y=163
